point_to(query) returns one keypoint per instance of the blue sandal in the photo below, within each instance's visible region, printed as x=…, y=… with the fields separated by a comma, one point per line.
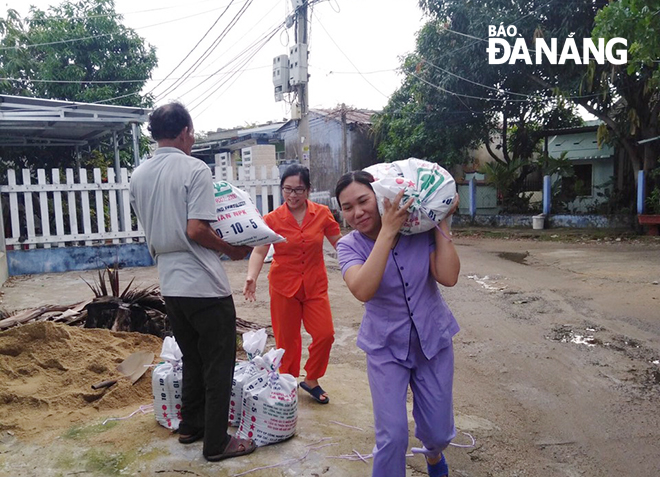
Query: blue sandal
x=316, y=392
x=439, y=469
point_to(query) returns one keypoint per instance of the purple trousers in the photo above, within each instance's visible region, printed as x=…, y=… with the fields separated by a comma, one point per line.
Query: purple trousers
x=431, y=381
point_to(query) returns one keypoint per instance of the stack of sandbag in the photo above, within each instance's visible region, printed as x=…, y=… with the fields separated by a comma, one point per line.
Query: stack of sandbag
x=254, y=343
x=270, y=403
x=431, y=186
x=239, y=221
x=166, y=384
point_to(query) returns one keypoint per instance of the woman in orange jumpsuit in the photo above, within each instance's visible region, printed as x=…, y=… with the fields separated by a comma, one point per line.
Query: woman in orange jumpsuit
x=298, y=282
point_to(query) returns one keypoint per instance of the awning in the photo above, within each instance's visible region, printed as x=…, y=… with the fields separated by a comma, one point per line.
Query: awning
x=45, y=122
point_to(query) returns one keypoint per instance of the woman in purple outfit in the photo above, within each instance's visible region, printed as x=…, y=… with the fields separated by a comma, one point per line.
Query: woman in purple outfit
x=407, y=327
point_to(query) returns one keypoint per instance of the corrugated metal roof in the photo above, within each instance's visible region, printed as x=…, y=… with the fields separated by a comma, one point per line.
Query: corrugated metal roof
x=233, y=133
x=581, y=145
x=353, y=116
x=42, y=122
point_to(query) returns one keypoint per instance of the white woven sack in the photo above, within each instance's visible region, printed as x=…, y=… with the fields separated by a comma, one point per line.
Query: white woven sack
x=431, y=186
x=270, y=404
x=239, y=221
x=166, y=383
x=254, y=343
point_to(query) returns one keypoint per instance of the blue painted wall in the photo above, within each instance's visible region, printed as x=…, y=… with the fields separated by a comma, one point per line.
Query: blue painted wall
x=47, y=260
x=525, y=221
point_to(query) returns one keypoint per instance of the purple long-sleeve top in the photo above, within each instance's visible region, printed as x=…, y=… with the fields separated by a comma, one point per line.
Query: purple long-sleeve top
x=407, y=294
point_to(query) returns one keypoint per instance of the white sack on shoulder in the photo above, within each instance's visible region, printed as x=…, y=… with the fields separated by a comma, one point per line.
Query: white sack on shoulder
x=431, y=186
x=239, y=221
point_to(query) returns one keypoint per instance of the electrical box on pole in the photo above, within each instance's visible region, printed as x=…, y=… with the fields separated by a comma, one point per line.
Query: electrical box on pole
x=298, y=64
x=281, y=76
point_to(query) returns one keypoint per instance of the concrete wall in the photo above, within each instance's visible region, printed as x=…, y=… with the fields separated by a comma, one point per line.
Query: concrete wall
x=602, y=173
x=262, y=155
x=486, y=199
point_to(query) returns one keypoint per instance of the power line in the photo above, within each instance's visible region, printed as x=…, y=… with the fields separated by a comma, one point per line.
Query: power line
x=499, y=90
x=193, y=48
x=111, y=81
x=73, y=40
x=251, y=50
x=346, y=56
x=333, y=72
x=258, y=44
x=256, y=48
x=209, y=50
x=239, y=70
x=116, y=14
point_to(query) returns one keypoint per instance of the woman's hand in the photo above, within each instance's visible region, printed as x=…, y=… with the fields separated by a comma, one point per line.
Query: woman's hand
x=394, y=217
x=250, y=289
x=454, y=206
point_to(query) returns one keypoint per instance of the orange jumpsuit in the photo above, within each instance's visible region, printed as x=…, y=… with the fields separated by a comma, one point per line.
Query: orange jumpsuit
x=298, y=285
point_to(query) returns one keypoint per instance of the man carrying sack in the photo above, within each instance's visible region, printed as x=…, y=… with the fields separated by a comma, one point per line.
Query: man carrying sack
x=173, y=197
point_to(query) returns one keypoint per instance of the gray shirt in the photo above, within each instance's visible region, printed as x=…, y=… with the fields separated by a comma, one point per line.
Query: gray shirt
x=165, y=192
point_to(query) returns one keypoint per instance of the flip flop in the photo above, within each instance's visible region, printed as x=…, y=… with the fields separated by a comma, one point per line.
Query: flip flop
x=190, y=438
x=439, y=469
x=236, y=447
x=316, y=392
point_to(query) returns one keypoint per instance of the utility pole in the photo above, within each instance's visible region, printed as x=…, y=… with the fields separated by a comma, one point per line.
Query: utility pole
x=290, y=76
x=302, y=88
x=345, y=166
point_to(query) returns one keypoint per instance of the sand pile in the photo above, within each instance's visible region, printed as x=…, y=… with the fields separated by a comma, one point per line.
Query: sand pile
x=47, y=369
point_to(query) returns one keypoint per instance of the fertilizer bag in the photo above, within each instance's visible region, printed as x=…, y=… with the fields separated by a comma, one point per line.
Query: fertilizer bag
x=270, y=403
x=254, y=343
x=239, y=221
x=431, y=186
x=166, y=381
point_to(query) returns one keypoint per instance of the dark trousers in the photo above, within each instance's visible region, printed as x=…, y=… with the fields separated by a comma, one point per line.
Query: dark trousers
x=205, y=330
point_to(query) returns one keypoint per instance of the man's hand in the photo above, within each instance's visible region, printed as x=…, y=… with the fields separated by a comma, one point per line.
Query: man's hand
x=237, y=253
x=201, y=232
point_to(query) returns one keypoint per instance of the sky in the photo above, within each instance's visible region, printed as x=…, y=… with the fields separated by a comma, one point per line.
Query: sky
x=354, y=52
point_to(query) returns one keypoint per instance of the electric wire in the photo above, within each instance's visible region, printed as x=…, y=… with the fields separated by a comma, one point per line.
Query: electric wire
x=349, y=60
x=273, y=29
x=111, y=81
x=193, y=48
x=92, y=37
x=209, y=50
x=116, y=14
x=239, y=71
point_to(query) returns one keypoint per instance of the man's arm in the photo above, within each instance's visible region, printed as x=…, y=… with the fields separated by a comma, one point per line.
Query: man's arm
x=201, y=232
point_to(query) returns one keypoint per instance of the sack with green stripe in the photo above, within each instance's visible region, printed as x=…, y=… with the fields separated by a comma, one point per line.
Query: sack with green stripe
x=431, y=186
x=239, y=221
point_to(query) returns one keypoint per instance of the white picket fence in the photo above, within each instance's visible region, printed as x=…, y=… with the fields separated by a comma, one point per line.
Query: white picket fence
x=88, y=209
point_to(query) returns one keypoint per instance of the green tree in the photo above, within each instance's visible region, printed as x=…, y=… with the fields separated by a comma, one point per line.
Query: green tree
x=630, y=99
x=76, y=51
x=452, y=100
